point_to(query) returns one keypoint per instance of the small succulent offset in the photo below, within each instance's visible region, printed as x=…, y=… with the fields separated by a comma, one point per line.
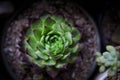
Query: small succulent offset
x=52, y=42
x=109, y=59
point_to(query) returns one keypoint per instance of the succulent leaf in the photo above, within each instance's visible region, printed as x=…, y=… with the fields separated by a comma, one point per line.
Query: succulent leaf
x=111, y=72
x=52, y=42
x=102, y=68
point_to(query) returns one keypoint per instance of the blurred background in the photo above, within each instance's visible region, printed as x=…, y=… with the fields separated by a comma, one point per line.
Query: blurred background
x=8, y=8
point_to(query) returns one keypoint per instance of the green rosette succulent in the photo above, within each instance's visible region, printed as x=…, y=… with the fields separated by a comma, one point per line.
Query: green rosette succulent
x=109, y=59
x=52, y=42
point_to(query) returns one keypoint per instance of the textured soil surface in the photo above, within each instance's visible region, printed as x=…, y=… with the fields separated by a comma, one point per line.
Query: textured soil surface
x=23, y=69
x=110, y=25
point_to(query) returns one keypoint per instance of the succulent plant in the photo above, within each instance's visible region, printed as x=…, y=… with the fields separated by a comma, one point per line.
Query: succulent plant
x=109, y=59
x=52, y=42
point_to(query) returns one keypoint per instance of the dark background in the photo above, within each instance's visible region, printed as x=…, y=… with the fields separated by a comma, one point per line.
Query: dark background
x=95, y=8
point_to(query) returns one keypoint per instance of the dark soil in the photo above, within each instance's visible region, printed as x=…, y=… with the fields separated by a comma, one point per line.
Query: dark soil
x=23, y=70
x=110, y=26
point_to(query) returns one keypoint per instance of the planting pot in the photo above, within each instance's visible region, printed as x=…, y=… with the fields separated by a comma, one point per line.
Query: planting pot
x=111, y=24
x=13, y=52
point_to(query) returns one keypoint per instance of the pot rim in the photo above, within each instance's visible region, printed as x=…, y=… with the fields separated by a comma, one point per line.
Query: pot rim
x=93, y=65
